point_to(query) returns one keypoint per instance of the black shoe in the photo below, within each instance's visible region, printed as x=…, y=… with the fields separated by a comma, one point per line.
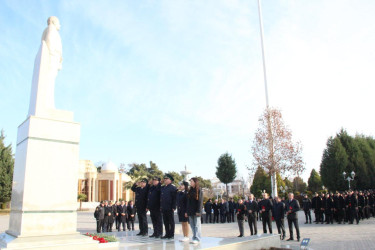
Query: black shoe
x=138, y=234
x=157, y=236
x=298, y=239
x=240, y=235
x=283, y=238
x=170, y=238
x=306, y=222
x=290, y=239
x=164, y=237
x=310, y=222
x=152, y=236
x=146, y=234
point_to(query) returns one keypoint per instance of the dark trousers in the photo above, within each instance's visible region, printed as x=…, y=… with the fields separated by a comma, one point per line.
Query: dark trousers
x=216, y=218
x=142, y=219
x=353, y=214
x=130, y=222
x=266, y=219
x=231, y=214
x=280, y=226
x=222, y=217
x=293, y=220
x=122, y=222
x=240, y=226
x=117, y=221
x=168, y=218
x=253, y=224
x=308, y=215
x=329, y=216
x=99, y=225
x=157, y=223
x=208, y=217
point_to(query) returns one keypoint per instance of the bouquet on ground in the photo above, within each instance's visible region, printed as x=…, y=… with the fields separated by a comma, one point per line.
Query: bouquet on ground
x=102, y=238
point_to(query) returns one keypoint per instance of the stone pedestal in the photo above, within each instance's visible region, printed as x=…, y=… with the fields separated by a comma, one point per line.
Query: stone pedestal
x=44, y=194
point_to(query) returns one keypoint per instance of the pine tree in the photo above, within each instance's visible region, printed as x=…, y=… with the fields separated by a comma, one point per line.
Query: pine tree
x=334, y=163
x=314, y=181
x=226, y=170
x=6, y=170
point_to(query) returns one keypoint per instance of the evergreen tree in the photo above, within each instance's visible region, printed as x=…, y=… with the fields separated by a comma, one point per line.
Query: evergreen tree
x=6, y=170
x=226, y=169
x=334, y=163
x=261, y=182
x=299, y=185
x=314, y=181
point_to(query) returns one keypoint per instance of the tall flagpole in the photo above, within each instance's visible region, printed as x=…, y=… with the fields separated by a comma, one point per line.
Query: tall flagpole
x=270, y=139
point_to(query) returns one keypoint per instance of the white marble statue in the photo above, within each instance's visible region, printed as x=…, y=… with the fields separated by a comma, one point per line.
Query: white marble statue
x=47, y=63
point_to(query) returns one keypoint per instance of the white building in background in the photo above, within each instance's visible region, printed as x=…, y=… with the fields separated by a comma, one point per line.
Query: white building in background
x=109, y=184
x=239, y=186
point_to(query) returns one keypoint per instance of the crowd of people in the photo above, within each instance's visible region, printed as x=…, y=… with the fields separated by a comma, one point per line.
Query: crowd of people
x=162, y=201
x=344, y=207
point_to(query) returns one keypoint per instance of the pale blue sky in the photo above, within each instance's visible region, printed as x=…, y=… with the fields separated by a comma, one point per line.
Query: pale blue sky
x=180, y=82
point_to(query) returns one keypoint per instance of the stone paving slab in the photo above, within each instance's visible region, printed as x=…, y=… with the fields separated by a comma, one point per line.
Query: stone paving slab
x=324, y=236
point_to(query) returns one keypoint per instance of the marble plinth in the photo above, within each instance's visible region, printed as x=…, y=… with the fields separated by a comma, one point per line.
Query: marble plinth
x=44, y=194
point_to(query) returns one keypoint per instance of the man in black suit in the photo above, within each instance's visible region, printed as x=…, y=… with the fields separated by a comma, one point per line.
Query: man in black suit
x=292, y=207
x=252, y=209
x=265, y=209
x=208, y=210
x=141, y=192
x=122, y=214
x=131, y=215
x=99, y=216
x=216, y=208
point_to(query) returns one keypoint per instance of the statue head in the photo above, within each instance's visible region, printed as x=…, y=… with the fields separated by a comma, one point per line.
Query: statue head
x=54, y=21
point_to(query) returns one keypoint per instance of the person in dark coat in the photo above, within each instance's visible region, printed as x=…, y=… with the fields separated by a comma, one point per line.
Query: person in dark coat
x=216, y=208
x=141, y=192
x=241, y=213
x=122, y=211
x=329, y=209
x=181, y=209
x=168, y=206
x=231, y=210
x=153, y=205
x=314, y=205
x=278, y=213
x=109, y=217
x=208, y=210
x=352, y=205
x=224, y=209
x=194, y=209
x=306, y=204
x=292, y=207
x=99, y=216
x=252, y=209
x=131, y=215
x=265, y=209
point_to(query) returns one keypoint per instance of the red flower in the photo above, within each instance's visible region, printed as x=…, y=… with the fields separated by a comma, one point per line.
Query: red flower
x=263, y=207
x=95, y=238
x=290, y=208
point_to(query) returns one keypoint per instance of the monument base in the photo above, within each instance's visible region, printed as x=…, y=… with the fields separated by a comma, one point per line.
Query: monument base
x=56, y=242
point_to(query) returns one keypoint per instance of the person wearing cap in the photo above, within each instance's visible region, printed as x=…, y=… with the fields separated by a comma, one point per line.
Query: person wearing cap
x=181, y=209
x=194, y=209
x=292, y=207
x=168, y=205
x=141, y=192
x=153, y=205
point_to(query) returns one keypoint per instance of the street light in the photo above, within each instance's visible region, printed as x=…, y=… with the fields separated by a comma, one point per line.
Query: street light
x=348, y=178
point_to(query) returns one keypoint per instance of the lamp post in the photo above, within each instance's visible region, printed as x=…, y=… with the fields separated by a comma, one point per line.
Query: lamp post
x=349, y=178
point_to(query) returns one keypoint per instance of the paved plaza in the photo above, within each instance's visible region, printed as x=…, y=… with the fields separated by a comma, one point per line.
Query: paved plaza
x=336, y=236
